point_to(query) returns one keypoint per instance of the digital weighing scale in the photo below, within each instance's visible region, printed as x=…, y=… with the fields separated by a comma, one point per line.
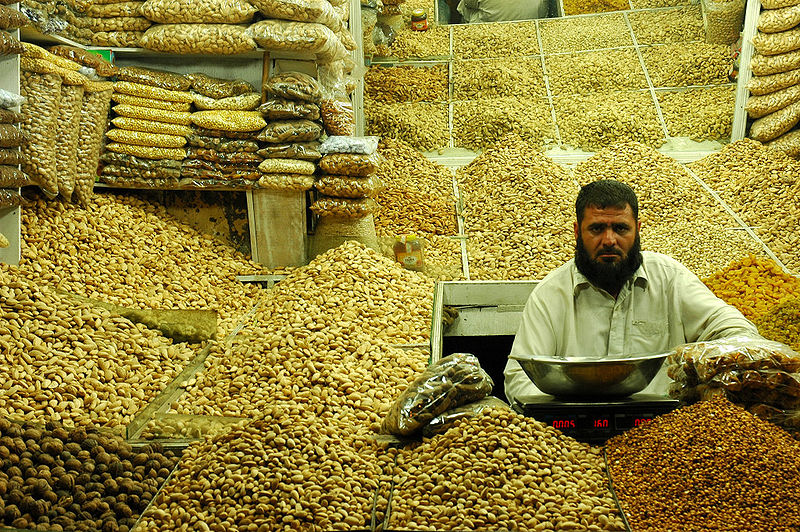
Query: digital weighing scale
x=595, y=421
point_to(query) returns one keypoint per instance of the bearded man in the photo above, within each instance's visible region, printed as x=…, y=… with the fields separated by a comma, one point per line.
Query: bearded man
x=615, y=300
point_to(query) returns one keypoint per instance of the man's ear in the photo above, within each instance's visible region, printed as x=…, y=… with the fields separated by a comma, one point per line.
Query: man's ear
x=638, y=227
x=575, y=226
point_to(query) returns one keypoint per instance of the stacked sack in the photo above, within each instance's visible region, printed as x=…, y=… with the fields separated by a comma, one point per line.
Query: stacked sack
x=116, y=23
x=73, y=21
x=11, y=138
x=774, y=100
x=198, y=27
x=290, y=138
x=218, y=150
x=151, y=125
x=760, y=375
x=346, y=205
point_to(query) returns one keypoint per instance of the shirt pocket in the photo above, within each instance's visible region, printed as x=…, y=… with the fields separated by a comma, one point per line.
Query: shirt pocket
x=649, y=336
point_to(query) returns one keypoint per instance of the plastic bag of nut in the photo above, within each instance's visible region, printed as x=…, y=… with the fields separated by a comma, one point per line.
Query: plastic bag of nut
x=94, y=118
x=453, y=381
x=777, y=43
x=113, y=170
x=141, y=138
x=40, y=120
x=151, y=113
x=700, y=362
x=224, y=134
x=13, y=177
x=342, y=186
x=218, y=87
x=338, y=116
x=152, y=77
x=776, y=20
x=788, y=419
x=344, y=144
x=303, y=37
x=223, y=157
x=285, y=109
x=130, y=161
x=11, y=198
x=344, y=207
x=138, y=101
x=788, y=143
x=69, y=122
x=150, y=91
x=723, y=20
x=320, y=11
x=286, y=166
x=776, y=124
x=221, y=144
x=82, y=57
x=118, y=24
x=286, y=181
x=760, y=85
x=777, y=4
x=758, y=106
x=241, y=102
x=307, y=151
x=118, y=39
x=445, y=420
x=11, y=156
x=117, y=9
x=11, y=19
x=191, y=11
x=220, y=39
x=242, y=121
x=11, y=136
x=9, y=99
x=350, y=164
x=294, y=86
x=148, y=152
x=151, y=126
x=7, y=116
x=290, y=131
x=9, y=45
x=764, y=65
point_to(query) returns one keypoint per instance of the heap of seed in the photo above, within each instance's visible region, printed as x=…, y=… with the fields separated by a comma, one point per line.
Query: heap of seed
x=709, y=466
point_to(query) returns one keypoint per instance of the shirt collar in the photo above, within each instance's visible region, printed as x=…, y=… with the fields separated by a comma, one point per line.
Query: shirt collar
x=580, y=282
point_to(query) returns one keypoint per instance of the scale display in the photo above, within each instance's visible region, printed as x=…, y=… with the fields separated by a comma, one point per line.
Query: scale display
x=596, y=422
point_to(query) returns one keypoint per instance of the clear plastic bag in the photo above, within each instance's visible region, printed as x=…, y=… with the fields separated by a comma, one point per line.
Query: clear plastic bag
x=141, y=138
x=776, y=20
x=788, y=143
x=94, y=119
x=788, y=419
x=286, y=166
x=758, y=106
x=217, y=39
x=193, y=11
x=302, y=37
x=8, y=116
x=241, y=102
x=221, y=167
x=151, y=126
x=229, y=120
x=341, y=186
x=777, y=4
x=42, y=66
x=11, y=19
x=238, y=157
x=222, y=145
x=343, y=207
x=148, y=152
x=117, y=9
x=286, y=181
x=307, y=151
x=118, y=24
x=320, y=11
x=776, y=124
x=764, y=65
x=453, y=381
x=69, y=123
x=347, y=40
x=149, y=91
x=11, y=198
x=118, y=39
x=11, y=156
x=13, y=177
x=350, y=164
x=224, y=134
x=85, y=58
x=777, y=43
x=285, y=109
x=294, y=86
x=290, y=131
x=9, y=99
x=444, y=421
x=130, y=161
x=138, y=101
x=338, y=117
x=9, y=45
x=700, y=362
x=218, y=87
x=342, y=144
x=11, y=136
x=40, y=120
x=152, y=77
x=760, y=85
x=723, y=20
x=149, y=113
x=145, y=173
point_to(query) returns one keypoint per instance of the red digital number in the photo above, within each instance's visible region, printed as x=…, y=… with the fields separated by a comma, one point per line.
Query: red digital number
x=640, y=421
x=564, y=423
x=601, y=423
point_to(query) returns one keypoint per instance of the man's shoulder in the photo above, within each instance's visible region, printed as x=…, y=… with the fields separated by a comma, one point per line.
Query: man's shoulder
x=659, y=264
x=564, y=274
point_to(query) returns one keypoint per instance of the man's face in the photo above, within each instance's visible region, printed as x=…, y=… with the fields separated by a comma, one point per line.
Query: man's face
x=607, y=249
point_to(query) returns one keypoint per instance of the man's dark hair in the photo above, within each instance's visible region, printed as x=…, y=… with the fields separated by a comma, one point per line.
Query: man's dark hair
x=606, y=193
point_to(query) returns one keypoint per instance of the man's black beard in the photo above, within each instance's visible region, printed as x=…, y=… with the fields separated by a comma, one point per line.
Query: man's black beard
x=610, y=276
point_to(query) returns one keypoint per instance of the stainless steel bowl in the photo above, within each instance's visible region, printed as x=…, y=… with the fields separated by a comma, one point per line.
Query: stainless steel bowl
x=600, y=377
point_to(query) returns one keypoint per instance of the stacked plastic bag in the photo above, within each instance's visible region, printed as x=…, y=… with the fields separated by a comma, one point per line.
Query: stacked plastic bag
x=290, y=139
x=761, y=375
x=349, y=182
x=774, y=101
